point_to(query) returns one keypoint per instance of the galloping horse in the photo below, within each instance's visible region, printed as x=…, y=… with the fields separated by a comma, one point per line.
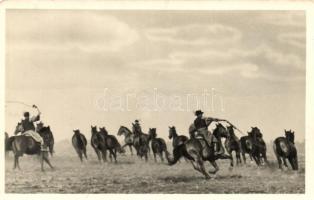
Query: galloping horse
x=79, y=143
x=176, y=139
x=21, y=144
x=232, y=144
x=98, y=143
x=128, y=137
x=254, y=145
x=284, y=148
x=158, y=144
x=49, y=137
x=197, y=151
x=111, y=144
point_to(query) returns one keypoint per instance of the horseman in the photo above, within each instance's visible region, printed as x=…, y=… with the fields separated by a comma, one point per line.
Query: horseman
x=137, y=129
x=201, y=125
x=28, y=127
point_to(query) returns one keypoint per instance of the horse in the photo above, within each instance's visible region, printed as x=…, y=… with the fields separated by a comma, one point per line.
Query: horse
x=197, y=151
x=284, y=148
x=254, y=145
x=232, y=144
x=22, y=144
x=49, y=137
x=158, y=145
x=79, y=143
x=98, y=143
x=176, y=139
x=141, y=143
x=128, y=137
x=111, y=144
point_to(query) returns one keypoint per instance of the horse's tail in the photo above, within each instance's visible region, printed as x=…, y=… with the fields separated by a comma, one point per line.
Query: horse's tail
x=8, y=144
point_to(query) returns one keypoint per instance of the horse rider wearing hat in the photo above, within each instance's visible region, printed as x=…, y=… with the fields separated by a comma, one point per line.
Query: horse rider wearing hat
x=136, y=128
x=28, y=127
x=201, y=125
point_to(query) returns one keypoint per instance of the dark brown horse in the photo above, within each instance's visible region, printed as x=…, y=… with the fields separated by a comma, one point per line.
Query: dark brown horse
x=284, y=148
x=48, y=137
x=98, y=143
x=254, y=145
x=111, y=144
x=158, y=144
x=79, y=143
x=176, y=139
x=232, y=143
x=197, y=151
x=22, y=144
x=128, y=137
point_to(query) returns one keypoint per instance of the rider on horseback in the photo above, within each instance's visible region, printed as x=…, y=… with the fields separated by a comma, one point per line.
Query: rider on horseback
x=136, y=128
x=28, y=128
x=201, y=125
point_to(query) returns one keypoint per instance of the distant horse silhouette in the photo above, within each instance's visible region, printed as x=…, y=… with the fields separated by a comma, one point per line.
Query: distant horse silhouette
x=158, y=144
x=176, y=139
x=232, y=144
x=98, y=143
x=254, y=145
x=128, y=137
x=79, y=143
x=111, y=144
x=197, y=151
x=21, y=144
x=284, y=148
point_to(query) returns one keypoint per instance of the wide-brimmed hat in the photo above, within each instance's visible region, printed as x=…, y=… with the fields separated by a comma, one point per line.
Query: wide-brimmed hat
x=137, y=121
x=198, y=112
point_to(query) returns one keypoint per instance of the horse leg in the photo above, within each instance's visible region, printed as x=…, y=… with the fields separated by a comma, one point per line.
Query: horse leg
x=161, y=157
x=84, y=152
x=112, y=154
x=42, y=161
x=104, y=155
x=244, y=158
x=238, y=157
x=98, y=154
x=154, y=156
x=231, y=160
x=265, y=157
x=202, y=168
x=48, y=161
x=214, y=164
x=131, y=150
x=285, y=162
x=79, y=152
x=16, y=159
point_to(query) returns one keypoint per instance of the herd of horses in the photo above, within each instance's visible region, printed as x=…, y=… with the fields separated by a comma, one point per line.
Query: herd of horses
x=193, y=149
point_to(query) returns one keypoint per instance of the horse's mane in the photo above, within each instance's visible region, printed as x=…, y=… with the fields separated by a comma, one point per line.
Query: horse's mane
x=124, y=127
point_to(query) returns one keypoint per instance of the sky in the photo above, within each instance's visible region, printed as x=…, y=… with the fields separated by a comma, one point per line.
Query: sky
x=108, y=68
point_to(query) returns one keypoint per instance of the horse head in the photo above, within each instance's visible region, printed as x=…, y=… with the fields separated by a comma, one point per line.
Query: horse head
x=18, y=128
x=103, y=131
x=152, y=132
x=231, y=131
x=290, y=135
x=94, y=129
x=172, y=132
x=220, y=131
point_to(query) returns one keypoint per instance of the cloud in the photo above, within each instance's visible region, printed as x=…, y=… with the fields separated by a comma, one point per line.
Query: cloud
x=296, y=39
x=88, y=31
x=195, y=34
x=263, y=62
